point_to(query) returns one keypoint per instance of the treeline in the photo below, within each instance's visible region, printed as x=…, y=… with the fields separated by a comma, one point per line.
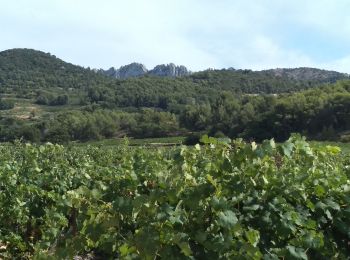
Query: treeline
x=91, y=125
x=322, y=113
x=47, y=98
x=198, y=89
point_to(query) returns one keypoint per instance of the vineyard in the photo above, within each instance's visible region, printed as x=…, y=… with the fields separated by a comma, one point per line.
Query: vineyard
x=221, y=200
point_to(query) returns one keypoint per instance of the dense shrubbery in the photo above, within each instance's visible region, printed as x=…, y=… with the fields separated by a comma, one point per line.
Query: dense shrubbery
x=44, y=98
x=6, y=104
x=221, y=200
x=92, y=125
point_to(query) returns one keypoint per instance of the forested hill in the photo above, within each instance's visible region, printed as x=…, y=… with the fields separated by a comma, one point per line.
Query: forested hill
x=43, y=98
x=308, y=74
x=26, y=68
x=31, y=69
x=267, y=81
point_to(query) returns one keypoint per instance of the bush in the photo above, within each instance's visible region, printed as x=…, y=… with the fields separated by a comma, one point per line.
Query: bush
x=192, y=139
x=6, y=104
x=59, y=100
x=345, y=138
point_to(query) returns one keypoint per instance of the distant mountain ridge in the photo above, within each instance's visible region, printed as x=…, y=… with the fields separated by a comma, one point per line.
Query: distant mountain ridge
x=137, y=70
x=171, y=70
x=305, y=73
x=28, y=68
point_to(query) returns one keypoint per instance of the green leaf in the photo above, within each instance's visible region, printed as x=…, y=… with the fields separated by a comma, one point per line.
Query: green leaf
x=332, y=204
x=124, y=250
x=319, y=191
x=251, y=208
x=333, y=149
x=205, y=139
x=287, y=148
x=201, y=236
x=313, y=240
x=96, y=194
x=254, y=146
x=227, y=219
x=253, y=236
x=272, y=143
x=265, y=180
x=185, y=248
x=297, y=253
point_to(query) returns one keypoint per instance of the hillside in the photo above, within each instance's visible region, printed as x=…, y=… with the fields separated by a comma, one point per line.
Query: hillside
x=308, y=74
x=46, y=80
x=46, y=99
x=267, y=81
x=26, y=69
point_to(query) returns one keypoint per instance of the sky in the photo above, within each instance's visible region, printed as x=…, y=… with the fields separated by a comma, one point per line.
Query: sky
x=200, y=34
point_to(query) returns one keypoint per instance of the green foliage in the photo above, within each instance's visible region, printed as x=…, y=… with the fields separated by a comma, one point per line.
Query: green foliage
x=51, y=100
x=30, y=69
x=6, y=104
x=222, y=200
x=254, y=105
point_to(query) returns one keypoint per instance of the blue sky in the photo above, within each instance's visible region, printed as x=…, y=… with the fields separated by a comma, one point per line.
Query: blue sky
x=200, y=34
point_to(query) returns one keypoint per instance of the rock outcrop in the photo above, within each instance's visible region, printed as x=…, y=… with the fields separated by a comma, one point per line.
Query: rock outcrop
x=130, y=71
x=138, y=70
x=169, y=70
x=112, y=72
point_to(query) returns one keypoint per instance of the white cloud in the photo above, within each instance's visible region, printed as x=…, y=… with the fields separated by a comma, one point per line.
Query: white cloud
x=268, y=54
x=341, y=65
x=195, y=33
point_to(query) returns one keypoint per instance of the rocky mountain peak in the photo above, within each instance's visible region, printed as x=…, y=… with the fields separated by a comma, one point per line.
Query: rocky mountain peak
x=169, y=70
x=137, y=70
x=111, y=72
x=132, y=70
